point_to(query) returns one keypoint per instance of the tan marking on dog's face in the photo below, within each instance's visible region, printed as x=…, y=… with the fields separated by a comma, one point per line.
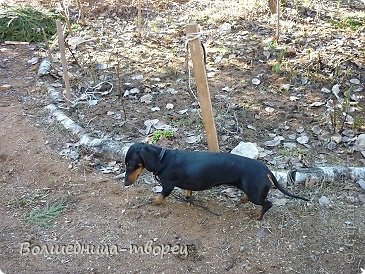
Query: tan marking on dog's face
x=188, y=193
x=159, y=199
x=244, y=199
x=132, y=178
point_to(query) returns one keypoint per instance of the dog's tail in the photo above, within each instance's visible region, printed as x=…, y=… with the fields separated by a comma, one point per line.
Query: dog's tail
x=283, y=190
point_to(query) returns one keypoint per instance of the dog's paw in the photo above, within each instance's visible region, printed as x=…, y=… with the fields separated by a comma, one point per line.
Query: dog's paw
x=158, y=200
x=188, y=194
x=244, y=199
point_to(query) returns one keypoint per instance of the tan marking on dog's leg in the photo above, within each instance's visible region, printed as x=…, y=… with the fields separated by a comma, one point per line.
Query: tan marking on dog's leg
x=188, y=194
x=244, y=199
x=270, y=179
x=159, y=199
x=258, y=214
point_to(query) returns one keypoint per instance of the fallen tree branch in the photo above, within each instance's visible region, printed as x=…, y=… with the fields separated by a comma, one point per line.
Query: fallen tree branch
x=323, y=174
x=113, y=150
x=103, y=147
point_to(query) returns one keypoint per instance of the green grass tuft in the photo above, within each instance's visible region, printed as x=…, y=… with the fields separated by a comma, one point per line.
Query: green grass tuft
x=159, y=134
x=46, y=215
x=353, y=22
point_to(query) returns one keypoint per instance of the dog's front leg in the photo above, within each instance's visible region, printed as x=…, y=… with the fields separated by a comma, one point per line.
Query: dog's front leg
x=166, y=190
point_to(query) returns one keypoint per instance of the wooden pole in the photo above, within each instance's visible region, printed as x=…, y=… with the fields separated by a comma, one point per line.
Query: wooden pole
x=139, y=17
x=67, y=16
x=61, y=44
x=197, y=56
x=278, y=21
x=81, y=13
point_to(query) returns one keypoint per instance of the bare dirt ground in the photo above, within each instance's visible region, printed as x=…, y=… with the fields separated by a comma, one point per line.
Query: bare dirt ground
x=218, y=233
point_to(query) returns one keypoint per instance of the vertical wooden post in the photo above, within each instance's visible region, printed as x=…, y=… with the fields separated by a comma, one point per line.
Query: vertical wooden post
x=61, y=44
x=139, y=17
x=195, y=48
x=81, y=13
x=278, y=20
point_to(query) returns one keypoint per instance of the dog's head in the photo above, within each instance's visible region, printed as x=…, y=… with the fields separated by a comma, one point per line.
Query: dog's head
x=140, y=156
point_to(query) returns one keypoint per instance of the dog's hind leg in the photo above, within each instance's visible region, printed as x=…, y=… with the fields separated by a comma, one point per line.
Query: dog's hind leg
x=265, y=207
x=188, y=194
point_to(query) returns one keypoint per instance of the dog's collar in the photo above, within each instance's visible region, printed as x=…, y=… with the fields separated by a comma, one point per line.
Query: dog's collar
x=160, y=157
x=162, y=153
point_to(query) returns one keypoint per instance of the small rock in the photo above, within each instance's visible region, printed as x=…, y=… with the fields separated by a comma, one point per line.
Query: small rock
x=337, y=138
x=134, y=91
x=324, y=201
x=303, y=139
x=246, y=149
x=361, y=183
x=316, y=130
x=360, y=143
x=331, y=145
x=146, y=98
x=155, y=109
x=230, y=192
x=262, y=233
x=355, y=81
x=325, y=90
x=169, y=106
x=172, y=91
x=255, y=81
x=225, y=28
x=289, y=145
x=293, y=98
x=33, y=61
x=227, y=89
x=280, y=201
x=275, y=142
x=269, y=109
x=137, y=77
x=193, y=139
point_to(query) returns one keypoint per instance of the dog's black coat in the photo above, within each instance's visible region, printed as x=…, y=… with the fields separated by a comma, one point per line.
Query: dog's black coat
x=192, y=170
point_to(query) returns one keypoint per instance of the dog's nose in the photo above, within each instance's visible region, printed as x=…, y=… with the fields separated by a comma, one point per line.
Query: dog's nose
x=126, y=182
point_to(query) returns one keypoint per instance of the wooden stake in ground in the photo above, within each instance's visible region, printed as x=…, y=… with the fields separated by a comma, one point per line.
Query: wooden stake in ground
x=278, y=20
x=197, y=56
x=61, y=44
x=81, y=13
x=66, y=14
x=48, y=49
x=139, y=17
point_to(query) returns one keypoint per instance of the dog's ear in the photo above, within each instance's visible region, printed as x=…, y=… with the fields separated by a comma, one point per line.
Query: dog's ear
x=150, y=159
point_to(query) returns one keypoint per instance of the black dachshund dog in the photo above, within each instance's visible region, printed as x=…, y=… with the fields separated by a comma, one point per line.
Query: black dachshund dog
x=194, y=170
